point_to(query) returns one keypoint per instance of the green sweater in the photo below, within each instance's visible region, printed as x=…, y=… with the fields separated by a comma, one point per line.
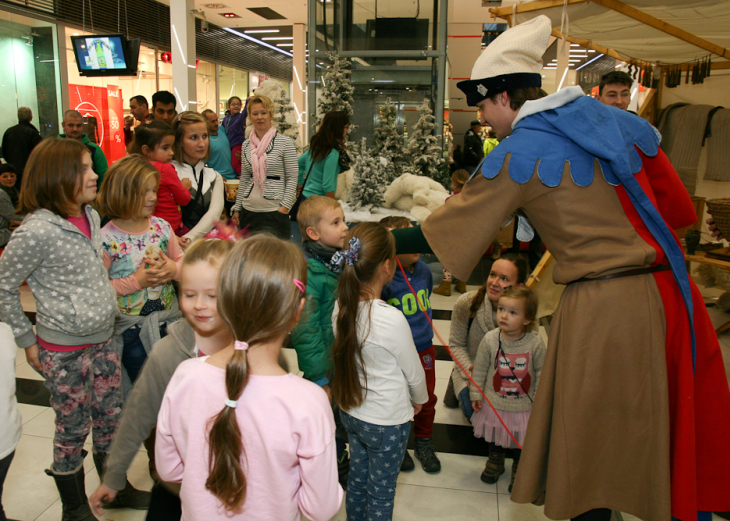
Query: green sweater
x=313, y=336
x=322, y=178
x=97, y=157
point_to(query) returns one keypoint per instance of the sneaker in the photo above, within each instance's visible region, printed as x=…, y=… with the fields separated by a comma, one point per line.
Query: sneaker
x=407, y=463
x=425, y=453
x=343, y=469
x=494, y=468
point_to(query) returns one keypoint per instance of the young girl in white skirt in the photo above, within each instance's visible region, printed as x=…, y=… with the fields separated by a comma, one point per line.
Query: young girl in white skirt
x=507, y=368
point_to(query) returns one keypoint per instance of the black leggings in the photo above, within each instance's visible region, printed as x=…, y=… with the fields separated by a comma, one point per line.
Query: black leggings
x=496, y=449
x=4, y=466
x=598, y=514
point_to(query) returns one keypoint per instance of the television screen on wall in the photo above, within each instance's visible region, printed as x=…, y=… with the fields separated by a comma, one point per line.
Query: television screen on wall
x=105, y=55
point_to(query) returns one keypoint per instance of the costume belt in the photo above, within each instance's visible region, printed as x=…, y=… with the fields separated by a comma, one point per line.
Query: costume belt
x=627, y=273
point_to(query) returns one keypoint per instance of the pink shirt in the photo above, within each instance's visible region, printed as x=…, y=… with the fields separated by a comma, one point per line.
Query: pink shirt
x=288, y=434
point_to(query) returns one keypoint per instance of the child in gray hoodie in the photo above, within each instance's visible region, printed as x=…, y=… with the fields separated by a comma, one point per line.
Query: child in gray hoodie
x=57, y=250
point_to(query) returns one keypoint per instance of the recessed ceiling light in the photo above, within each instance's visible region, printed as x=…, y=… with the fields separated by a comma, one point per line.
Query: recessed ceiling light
x=215, y=6
x=257, y=31
x=230, y=15
x=285, y=45
x=76, y=34
x=277, y=38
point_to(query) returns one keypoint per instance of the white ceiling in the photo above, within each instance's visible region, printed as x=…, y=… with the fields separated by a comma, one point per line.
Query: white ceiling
x=294, y=10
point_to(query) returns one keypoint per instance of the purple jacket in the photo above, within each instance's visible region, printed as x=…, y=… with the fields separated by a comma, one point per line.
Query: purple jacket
x=236, y=126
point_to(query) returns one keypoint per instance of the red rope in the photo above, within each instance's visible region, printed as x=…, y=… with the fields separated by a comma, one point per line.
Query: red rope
x=451, y=353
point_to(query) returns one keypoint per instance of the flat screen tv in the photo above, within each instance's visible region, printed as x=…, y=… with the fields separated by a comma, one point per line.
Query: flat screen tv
x=106, y=55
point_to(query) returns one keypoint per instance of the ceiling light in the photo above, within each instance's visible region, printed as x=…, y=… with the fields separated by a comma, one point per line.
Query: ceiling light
x=574, y=61
x=277, y=38
x=215, y=6
x=285, y=45
x=591, y=50
x=591, y=61
x=230, y=15
x=255, y=31
x=76, y=34
x=574, y=45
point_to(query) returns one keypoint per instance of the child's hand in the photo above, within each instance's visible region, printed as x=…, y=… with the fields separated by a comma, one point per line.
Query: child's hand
x=166, y=270
x=183, y=242
x=187, y=183
x=235, y=219
x=477, y=405
x=326, y=388
x=417, y=408
x=103, y=493
x=714, y=232
x=32, y=355
x=144, y=273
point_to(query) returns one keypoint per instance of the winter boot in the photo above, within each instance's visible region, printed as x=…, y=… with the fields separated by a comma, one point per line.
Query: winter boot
x=461, y=286
x=494, y=468
x=343, y=469
x=407, y=463
x=128, y=497
x=444, y=288
x=73, y=495
x=515, y=464
x=450, y=399
x=424, y=452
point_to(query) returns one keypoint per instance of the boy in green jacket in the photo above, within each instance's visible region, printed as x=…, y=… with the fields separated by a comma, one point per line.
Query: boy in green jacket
x=322, y=223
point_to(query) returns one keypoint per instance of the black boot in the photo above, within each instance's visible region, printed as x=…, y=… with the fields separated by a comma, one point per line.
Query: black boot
x=128, y=497
x=73, y=495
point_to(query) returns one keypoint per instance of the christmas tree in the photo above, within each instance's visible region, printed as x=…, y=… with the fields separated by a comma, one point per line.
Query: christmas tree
x=388, y=143
x=424, y=150
x=337, y=90
x=369, y=180
x=285, y=117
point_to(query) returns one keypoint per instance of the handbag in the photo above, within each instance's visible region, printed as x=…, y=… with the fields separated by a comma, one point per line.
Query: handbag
x=295, y=209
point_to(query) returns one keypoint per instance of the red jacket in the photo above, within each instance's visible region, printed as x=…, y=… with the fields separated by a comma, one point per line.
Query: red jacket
x=170, y=195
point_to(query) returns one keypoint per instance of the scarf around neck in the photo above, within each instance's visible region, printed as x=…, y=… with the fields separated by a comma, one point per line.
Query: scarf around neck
x=322, y=254
x=259, y=159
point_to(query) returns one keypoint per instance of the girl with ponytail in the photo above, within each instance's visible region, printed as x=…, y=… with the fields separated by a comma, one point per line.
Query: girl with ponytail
x=379, y=382
x=246, y=439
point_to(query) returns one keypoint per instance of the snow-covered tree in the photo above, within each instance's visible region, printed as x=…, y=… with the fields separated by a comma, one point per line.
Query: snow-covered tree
x=369, y=181
x=388, y=143
x=285, y=116
x=425, y=153
x=337, y=90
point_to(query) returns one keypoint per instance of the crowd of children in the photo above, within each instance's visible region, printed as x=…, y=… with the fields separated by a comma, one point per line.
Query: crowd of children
x=251, y=440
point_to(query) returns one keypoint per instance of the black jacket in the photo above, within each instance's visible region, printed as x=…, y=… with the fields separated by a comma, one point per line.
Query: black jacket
x=473, y=149
x=18, y=142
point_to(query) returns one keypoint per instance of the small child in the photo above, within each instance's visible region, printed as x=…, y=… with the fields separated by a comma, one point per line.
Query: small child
x=398, y=294
x=57, y=249
x=322, y=224
x=458, y=180
x=246, y=439
x=507, y=368
x=142, y=256
x=378, y=382
x=156, y=141
x=202, y=333
x=11, y=424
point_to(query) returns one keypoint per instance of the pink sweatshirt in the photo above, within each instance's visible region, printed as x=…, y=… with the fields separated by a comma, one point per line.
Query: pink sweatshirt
x=288, y=434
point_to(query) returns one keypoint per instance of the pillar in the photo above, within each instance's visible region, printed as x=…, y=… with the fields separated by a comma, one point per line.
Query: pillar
x=182, y=42
x=299, y=79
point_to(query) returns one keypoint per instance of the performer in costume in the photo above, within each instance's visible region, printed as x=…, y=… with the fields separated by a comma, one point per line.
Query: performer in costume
x=633, y=409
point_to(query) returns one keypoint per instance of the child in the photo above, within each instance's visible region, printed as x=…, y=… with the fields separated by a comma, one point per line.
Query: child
x=507, y=368
x=246, y=439
x=191, y=152
x=322, y=224
x=398, y=294
x=203, y=332
x=142, y=256
x=58, y=251
x=458, y=180
x=378, y=382
x=234, y=124
x=11, y=426
x=8, y=201
x=155, y=141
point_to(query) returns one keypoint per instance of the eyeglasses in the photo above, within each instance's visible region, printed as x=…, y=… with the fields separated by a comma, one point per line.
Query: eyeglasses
x=235, y=105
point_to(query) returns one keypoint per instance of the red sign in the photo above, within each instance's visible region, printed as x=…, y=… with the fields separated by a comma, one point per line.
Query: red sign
x=106, y=104
x=167, y=58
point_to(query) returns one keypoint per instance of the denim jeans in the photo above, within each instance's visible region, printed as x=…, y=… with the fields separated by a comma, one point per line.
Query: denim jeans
x=134, y=354
x=376, y=454
x=465, y=402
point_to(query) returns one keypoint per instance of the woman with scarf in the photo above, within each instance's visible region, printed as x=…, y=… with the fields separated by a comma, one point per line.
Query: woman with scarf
x=326, y=157
x=268, y=185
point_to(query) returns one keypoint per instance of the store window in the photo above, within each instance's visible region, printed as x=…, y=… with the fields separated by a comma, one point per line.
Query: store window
x=231, y=82
x=30, y=77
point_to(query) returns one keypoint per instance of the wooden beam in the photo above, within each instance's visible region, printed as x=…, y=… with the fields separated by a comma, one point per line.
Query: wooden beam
x=528, y=7
x=656, y=23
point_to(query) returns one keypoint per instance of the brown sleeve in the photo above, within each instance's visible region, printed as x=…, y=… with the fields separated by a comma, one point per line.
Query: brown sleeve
x=461, y=231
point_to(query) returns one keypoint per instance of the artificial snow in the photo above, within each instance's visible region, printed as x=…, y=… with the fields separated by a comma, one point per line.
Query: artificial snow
x=371, y=214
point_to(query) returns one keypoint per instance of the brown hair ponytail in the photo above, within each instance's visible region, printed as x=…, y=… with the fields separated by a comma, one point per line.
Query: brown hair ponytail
x=260, y=269
x=521, y=266
x=377, y=245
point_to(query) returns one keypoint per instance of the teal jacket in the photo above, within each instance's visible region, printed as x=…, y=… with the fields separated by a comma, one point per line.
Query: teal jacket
x=100, y=165
x=322, y=176
x=313, y=337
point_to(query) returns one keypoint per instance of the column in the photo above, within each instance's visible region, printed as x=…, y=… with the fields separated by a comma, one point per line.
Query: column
x=182, y=42
x=299, y=79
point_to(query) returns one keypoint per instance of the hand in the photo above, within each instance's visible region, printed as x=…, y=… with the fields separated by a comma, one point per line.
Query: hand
x=33, y=358
x=128, y=122
x=477, y=406
x=299, y=190
x=284, y=210
x=147, y=270
x=102, y=494
x=238, y=155
x=234, y=219
x=713, y=229
x=417, y=408
x=187, y=183
x=166, y=270
x=328, y=390
x=183, y=242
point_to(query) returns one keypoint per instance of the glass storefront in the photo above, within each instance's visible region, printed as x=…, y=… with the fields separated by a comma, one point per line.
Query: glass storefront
x=29, y=54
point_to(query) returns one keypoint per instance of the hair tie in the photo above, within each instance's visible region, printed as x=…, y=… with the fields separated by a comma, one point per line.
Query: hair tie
x=299, y=284
x=350, y=255
x=240, y=346
x=231, y=403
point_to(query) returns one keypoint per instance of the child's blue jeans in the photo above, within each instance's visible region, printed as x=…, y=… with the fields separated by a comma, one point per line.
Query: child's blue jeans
x=376, y=454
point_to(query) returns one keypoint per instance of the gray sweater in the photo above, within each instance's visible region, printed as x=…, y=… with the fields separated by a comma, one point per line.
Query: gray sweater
x=511, y=385
x=76, y=304
x=139, y=416
x=465, y=342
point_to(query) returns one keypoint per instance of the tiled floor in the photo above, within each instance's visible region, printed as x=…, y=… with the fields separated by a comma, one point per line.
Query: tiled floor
x=456, y=493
